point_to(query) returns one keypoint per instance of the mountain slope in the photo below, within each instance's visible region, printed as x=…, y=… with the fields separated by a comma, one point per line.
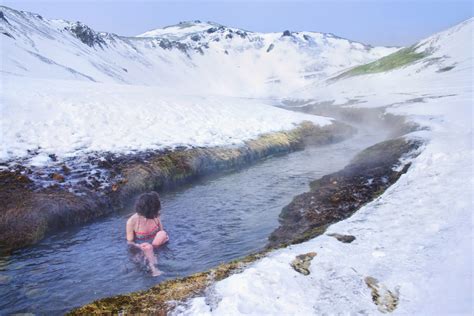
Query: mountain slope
x=444, y=49
x=197, y=57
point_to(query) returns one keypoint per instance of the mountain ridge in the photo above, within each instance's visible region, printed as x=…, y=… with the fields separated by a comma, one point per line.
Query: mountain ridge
x=258, y=64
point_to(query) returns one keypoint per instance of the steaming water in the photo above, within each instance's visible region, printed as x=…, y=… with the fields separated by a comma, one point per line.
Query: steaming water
x=209, y=222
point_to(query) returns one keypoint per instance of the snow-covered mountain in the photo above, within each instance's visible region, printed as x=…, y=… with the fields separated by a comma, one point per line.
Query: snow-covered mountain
x=436, y=60
x=197, y=57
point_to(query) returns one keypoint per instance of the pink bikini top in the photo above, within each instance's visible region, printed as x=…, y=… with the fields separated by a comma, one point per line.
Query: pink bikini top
x=150, y=234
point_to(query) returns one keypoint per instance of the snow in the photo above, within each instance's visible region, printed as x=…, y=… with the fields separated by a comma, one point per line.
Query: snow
x=223, y=62
x=71, y=118
x=128, y=94
x=180, y=30
x=415, y=239
x=60, y=96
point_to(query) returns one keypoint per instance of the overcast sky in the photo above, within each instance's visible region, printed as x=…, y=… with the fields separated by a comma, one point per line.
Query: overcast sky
x=376, y=22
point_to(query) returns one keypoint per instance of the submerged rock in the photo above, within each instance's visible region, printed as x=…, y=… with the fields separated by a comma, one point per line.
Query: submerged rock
x=343, y=238
x=5, y=279
x=302, y=262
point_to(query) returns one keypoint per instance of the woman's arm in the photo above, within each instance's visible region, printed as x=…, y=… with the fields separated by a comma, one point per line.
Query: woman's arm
x=130, y=232
x=161, y=224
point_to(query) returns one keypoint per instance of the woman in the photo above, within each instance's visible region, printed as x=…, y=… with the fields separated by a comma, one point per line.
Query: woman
x=144, y=228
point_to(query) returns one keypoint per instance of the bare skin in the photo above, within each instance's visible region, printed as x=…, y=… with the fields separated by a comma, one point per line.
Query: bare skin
x=160, y=239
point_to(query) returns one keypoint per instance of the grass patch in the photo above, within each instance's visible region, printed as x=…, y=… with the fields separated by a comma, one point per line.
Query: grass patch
x=398, y=59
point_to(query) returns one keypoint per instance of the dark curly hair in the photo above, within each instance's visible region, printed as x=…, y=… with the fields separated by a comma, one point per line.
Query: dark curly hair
x=148, y=205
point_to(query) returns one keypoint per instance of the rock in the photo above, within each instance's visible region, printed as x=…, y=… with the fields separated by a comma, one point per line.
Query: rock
x=31, y=293
x=302, y=262
x=343, y=238
x=195, y=38
x=57, y=177
x=7, y=34
x=386, y=300
x=66, y=170
x=86, y=35
x=270, y=48
x=199, y=50
x=286, y=33
x=165, y=44
x=242, y=34
x=2, y=17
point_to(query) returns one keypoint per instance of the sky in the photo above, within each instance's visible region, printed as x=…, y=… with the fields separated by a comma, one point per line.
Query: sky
x=375, y=22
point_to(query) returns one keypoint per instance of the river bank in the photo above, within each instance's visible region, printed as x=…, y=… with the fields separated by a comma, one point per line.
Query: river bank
x=29, y=212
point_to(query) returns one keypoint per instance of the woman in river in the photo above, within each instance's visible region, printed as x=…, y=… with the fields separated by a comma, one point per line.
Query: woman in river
x=144, y=228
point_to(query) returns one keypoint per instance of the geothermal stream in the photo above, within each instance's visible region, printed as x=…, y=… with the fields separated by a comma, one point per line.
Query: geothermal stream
x=212, y=221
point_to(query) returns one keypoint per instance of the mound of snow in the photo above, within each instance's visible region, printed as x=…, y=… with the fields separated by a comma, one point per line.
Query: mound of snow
x=70, y=118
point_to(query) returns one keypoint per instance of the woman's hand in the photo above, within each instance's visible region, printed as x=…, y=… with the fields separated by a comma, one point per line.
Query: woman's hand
x=146, y=246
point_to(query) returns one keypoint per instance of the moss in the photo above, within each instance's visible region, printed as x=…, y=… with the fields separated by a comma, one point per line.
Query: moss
x=310, y=234
x=395, y=60
x=174, y=168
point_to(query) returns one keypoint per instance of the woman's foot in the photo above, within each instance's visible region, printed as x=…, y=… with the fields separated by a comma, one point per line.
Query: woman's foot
x=155, y=272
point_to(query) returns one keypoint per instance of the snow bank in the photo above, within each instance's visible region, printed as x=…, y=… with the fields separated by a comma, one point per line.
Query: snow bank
x=71, y=118
x=416, y=239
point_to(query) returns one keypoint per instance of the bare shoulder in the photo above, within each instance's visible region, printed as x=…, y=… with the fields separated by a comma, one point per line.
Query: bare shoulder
x=132, y=219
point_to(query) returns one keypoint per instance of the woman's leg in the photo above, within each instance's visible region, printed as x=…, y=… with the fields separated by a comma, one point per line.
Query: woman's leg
x=160, y=239
x=151, y=258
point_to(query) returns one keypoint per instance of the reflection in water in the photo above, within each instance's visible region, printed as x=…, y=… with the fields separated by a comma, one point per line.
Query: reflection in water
x=213, y=221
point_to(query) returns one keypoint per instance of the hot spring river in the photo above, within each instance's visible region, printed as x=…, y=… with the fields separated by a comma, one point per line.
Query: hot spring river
x=214, y=220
